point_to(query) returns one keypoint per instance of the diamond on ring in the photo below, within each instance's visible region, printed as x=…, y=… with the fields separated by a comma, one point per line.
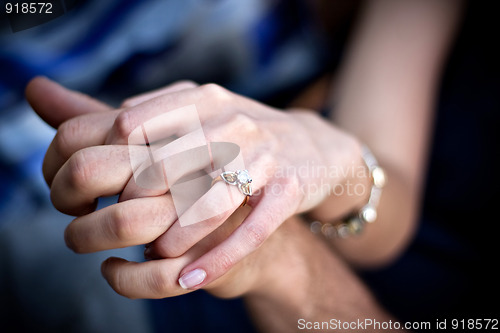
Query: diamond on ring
x=241, y=178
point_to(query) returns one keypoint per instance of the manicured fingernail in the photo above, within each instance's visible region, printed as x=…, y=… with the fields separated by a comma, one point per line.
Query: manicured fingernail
x=192, y=279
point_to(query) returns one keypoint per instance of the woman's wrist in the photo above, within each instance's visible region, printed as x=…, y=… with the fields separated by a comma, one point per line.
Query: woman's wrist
x=355, y=221
x=345, y=179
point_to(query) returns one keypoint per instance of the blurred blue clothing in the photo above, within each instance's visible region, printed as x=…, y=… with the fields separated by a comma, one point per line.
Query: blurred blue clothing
x=255, y=47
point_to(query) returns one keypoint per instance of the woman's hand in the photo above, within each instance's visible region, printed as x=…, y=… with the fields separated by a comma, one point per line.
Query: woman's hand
x=287, y=154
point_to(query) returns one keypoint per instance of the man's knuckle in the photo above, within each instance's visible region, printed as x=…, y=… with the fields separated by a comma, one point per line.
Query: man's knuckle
x=65, y=136
x=122, y=125
x=121, y=225
x=81, y=170
x=215, y=92
x=116, y=281
x=71, y=241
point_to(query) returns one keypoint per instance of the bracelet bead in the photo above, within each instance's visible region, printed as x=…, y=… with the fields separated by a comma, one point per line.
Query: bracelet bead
x=354, y=223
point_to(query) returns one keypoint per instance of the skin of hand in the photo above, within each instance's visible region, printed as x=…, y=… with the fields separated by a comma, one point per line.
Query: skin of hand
x=88, y=159
x=292, y=256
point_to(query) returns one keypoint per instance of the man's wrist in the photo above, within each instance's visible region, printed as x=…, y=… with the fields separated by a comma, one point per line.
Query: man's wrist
x=297, y=278
x=287, y=268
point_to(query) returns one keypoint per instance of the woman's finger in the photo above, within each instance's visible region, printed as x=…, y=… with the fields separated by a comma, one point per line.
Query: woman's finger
x=151, y=279
x=270, y=212
x=200, y=220
x=128, y=223
x=183, y=110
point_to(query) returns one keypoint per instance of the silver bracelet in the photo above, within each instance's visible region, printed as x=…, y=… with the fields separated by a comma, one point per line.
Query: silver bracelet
x=354, y=223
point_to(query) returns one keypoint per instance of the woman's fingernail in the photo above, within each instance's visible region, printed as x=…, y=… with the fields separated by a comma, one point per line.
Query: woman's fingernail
x=192, y=279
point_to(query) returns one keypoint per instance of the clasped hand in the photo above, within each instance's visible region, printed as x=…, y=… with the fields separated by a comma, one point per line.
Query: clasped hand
x=90, y=158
